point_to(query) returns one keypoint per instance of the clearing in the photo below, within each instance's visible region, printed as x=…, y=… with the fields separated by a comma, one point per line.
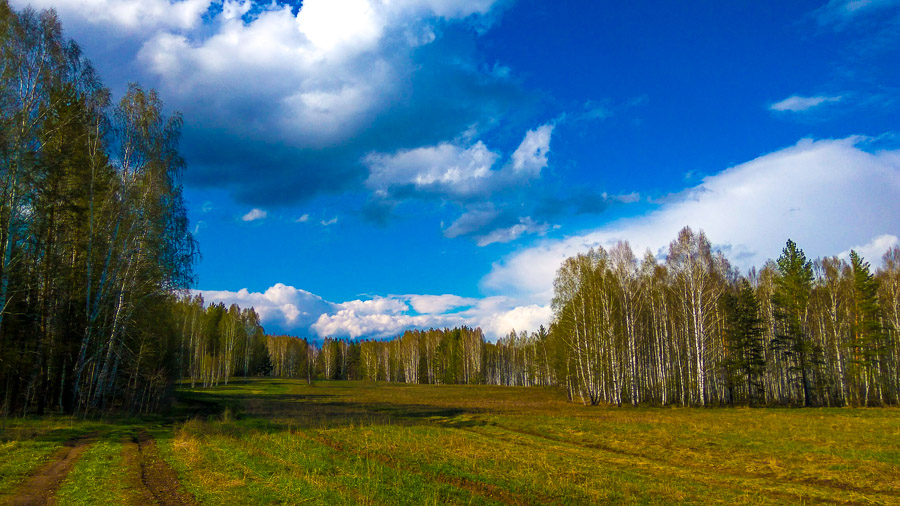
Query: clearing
x=282, y=441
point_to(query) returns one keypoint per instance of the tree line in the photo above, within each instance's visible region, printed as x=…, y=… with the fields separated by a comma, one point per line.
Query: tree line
x=692, y=331
x=96, y=257
x=460, y=355
x=94, y=240
x=689, y=330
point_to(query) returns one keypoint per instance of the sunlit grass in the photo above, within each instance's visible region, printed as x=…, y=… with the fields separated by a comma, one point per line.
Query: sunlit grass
x=100, y=477
x=270, y=441
x=496, y=444
x=26, y=444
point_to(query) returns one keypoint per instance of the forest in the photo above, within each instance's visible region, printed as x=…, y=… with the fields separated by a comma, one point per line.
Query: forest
x=96, y=263
x=690, y=331
x=94, y=240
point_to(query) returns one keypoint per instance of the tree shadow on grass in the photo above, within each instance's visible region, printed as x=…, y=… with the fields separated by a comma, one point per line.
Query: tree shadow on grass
x=275, y=411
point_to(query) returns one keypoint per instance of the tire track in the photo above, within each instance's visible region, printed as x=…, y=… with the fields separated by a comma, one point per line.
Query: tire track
x=154, y=478
x=42, y=485
x=766, y=484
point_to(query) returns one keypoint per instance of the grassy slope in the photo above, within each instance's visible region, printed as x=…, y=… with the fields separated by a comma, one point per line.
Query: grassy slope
x=280, y=441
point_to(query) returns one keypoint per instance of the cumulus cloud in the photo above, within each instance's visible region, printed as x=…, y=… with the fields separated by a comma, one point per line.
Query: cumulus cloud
x=528, y=318
x=280, y=306
x=436, y=304
x=465, y=173
x=457, y=171
x=254, y=214
x=496, y=316
x=873, y=250
x=283, y=308
x=531, y=155
x=128, y=15
x=375, y=306
x=319, y=76
x=307, y=89
x=444, y=168
x=826, y=195
x=796, y=103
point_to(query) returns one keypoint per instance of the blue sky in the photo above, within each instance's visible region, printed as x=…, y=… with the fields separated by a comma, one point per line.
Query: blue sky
x=358, y=167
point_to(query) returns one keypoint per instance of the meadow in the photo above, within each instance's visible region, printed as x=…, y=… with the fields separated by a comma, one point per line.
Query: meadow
x=282, y=441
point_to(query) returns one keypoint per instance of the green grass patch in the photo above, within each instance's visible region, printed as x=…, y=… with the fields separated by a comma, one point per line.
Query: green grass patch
x=99, y=477
x=273, y=441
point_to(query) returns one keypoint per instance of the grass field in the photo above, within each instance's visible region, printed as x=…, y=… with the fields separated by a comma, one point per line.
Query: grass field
x=280, y=441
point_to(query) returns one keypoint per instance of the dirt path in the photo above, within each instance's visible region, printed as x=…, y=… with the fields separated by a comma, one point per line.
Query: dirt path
x=152, y=476
x=41, y=487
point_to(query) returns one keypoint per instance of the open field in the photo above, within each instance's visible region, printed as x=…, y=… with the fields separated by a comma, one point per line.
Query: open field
x=281, y=441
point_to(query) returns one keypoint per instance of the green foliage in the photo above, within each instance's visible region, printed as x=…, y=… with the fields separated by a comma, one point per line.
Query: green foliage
x=93, y=231
x=793, y=287
x=869, y=346
x=746, y=360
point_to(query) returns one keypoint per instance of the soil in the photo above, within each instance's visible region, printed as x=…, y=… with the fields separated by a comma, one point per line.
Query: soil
x=152, y=476
x=41, y=487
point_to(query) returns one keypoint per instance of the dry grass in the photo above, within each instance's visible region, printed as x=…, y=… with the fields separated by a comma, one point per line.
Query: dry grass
x=362, y=442
x=278, y=441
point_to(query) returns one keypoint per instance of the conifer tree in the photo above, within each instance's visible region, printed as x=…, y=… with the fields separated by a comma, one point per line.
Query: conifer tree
x=793, y=285
x=746, y=353
x=868, y=343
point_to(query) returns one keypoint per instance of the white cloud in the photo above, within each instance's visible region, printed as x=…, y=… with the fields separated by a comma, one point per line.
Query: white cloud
x=473, y=220
x=232, y=9
x=128, y=15
x=199, y=227
x=283, y=308
x=318, y=76
x=796, y=103
x=628, y=198
x=496, y=316
x=254, y=214
x=873, y=250
x=302, y=219
x=436, y=304
x=327, y=223
x=347, y=323
x=825, y=195
x=375, y=306
x=330, y=25
x=520, y=318
x=307, y=78
x=531, y=155
x=444, y=168
x=487, y=225
x=458, y=171
x=507, y=234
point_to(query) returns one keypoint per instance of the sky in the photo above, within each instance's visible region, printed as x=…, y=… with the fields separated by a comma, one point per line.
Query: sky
x=361, y=167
